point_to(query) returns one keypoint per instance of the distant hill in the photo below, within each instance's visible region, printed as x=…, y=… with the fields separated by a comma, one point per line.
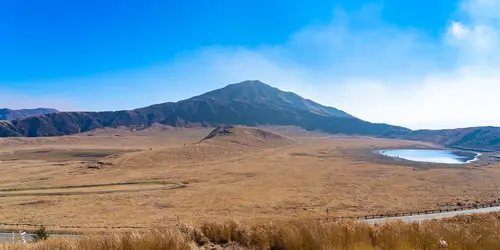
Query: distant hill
x=249, y=103
x=9, y=114
x=476, y=138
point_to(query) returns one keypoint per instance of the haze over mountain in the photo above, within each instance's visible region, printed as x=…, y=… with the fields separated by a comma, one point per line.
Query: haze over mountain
x=9, y=114
x=249, y=103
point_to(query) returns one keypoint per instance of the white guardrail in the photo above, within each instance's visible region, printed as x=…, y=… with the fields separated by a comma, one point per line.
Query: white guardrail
x=27, y=237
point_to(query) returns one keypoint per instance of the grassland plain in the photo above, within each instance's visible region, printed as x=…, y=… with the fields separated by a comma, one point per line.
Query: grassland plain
x=239, y=178
x=469, y=232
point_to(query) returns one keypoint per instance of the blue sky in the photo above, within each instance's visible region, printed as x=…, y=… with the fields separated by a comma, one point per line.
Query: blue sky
x=409, y=63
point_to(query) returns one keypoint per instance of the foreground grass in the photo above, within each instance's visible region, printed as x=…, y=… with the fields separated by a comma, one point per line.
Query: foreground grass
x=462, y=232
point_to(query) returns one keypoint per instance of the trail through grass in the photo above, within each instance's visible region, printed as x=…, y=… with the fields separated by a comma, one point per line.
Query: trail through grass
x=91, y=189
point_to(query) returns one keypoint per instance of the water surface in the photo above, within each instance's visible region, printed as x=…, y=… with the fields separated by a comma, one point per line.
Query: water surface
x=445, y=156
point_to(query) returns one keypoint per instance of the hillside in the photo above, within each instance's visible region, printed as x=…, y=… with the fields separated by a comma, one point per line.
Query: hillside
x=248, y=103
x=9, y=114
x=222, y=142
x=260, y=93
x=476, y=138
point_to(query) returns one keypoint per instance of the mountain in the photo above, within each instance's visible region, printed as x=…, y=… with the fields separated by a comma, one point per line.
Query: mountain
x=247, y=103
x=9, y=114
x=260, y=93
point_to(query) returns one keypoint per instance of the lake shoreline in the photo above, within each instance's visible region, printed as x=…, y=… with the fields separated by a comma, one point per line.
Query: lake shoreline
x=437, y=156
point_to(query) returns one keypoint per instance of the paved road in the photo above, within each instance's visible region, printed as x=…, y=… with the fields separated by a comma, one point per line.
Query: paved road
x=423, y=217
x=7, y=237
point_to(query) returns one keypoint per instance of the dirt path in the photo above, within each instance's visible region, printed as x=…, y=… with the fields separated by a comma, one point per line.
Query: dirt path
x=92, y=189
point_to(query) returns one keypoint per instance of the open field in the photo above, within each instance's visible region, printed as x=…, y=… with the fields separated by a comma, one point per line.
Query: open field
x=462, y=232
x=239, y=179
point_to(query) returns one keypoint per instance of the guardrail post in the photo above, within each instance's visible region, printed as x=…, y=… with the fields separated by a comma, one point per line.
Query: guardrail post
x=23, y=236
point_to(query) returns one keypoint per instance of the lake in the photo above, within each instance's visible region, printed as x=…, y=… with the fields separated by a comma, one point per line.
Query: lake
x=445, y=156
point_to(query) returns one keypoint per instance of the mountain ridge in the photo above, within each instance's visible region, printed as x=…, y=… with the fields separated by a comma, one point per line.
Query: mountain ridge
x=486, y=138
x=13, y=114
x=249, y=103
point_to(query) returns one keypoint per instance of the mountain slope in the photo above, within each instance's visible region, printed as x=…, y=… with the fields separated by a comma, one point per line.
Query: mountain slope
x=258, y=92
x=475, y=138
x=248, y=103
x=9, y=114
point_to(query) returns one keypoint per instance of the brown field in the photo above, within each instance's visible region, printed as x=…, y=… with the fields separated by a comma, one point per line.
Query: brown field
x=243, y=177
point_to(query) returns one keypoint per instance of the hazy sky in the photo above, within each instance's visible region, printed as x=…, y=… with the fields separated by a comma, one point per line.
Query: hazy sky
x=421, y=64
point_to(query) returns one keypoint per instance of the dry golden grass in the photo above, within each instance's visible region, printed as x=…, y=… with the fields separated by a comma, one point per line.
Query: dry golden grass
x=91, y=189
x=462, y=232
x=227, y=179
x=153, y=240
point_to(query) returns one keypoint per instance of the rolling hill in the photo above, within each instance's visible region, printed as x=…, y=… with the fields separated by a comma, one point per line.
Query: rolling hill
x=246, y=136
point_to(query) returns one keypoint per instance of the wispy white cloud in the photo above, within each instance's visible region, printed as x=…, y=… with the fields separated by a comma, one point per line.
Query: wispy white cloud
x=382, y=73
x=461, y=95
x=357, y=62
